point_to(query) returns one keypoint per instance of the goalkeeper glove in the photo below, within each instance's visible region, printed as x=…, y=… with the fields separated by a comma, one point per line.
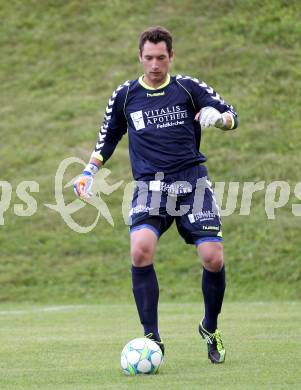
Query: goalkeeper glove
x=84, y=182
x=209, y=116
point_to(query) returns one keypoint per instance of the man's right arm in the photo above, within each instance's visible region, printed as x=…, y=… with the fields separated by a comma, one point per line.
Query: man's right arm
x=113, y=128
x=114, y=125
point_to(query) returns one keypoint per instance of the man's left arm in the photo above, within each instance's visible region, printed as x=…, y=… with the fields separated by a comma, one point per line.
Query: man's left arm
x=213, y=110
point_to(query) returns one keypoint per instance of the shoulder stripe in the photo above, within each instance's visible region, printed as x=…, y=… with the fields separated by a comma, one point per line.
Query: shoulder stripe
x=210, y=90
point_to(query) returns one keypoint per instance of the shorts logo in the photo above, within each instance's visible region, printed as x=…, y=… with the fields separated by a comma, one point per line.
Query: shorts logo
x=177, y=188
x=210, y=228
x=202, y=216
x=137, y=118
x=139, y=209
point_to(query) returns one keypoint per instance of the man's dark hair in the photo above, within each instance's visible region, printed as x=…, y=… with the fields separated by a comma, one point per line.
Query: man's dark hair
x=155, y=35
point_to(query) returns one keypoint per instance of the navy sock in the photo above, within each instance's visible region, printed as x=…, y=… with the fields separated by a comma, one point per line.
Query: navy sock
x=213, y=286
x=146, y=293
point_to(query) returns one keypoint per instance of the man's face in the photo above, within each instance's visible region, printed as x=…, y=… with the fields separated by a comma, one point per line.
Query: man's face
x=155, y=60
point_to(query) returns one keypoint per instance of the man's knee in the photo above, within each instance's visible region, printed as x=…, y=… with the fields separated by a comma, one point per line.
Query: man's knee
x=143, y=247
x=141, y=254
x=212, y=255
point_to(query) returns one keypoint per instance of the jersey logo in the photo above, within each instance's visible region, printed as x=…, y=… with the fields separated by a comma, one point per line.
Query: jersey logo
x=155, y=94
x=137, y=118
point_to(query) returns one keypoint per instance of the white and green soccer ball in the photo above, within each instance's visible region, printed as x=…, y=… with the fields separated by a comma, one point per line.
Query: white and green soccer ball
x=141, y=356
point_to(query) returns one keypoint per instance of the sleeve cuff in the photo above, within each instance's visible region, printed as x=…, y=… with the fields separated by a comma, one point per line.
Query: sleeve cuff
x=98, y=156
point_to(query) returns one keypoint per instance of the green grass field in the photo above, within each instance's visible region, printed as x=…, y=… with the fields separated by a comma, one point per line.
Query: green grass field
x=78, y=347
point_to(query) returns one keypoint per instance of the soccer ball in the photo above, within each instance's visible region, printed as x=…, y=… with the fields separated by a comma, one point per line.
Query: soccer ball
x=141, y=356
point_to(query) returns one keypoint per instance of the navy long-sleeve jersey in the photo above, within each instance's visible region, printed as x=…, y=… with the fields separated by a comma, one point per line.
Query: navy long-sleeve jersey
x=163, y=134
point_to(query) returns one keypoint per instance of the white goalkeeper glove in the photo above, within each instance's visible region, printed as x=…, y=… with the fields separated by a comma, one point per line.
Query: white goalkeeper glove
x=84, y=182
x=209, y=116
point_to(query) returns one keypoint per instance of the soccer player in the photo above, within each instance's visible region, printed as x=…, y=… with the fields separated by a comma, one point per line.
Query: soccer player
x=164, y=116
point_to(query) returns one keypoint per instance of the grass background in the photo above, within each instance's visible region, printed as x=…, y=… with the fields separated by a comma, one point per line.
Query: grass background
x=51, y=348
x=60, y=62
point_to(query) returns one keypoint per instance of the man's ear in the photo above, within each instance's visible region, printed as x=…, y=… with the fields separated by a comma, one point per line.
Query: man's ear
x=139, y=56
x=172, y=56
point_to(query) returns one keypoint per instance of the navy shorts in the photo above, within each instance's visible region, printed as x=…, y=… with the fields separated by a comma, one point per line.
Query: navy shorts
x=186, y=197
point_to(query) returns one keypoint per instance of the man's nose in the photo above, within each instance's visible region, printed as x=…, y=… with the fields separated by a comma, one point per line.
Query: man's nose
x=155, y=64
